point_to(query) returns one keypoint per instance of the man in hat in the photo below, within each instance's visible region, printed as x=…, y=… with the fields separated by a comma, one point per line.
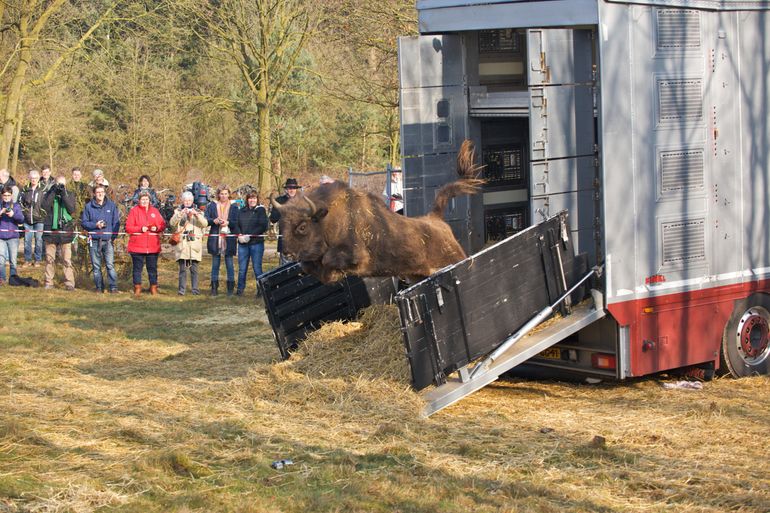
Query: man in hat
x=290, y=190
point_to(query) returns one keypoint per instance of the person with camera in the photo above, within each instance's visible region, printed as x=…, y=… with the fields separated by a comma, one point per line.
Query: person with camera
x=144, y=225
x=189, y=226
x=31, y=199
x=10, y=217
x=145, y=185
x=101, y=219
x=250, y=227
x=222, y=217
x=58, y=231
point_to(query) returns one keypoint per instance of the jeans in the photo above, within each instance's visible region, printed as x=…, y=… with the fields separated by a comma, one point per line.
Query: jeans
x=103, y=251
x=248, y=252
x=9, y=250
x=138, y=260
x=28, y=236
x=193, y=266
x=215, y=261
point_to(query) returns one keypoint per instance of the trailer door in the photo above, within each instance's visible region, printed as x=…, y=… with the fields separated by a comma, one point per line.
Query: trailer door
x=563, y=149
x=434, y=119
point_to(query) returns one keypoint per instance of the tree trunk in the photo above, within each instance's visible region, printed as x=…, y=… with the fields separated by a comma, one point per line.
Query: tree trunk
x=17, y=141
x=263, y=127
x=13, y=100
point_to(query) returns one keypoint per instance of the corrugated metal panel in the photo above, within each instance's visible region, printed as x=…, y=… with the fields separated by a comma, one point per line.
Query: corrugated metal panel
x=677, y=28
x=684, y=241
x=715, y=5
x=711, y=5
x=680, y=100
x=681, y=171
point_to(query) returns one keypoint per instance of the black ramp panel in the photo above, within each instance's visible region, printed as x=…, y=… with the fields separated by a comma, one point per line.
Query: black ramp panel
x=466, y=310
x=297, y=304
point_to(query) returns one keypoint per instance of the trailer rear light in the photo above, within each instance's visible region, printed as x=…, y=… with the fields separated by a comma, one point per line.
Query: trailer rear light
x=603, y=361
x=655, y=278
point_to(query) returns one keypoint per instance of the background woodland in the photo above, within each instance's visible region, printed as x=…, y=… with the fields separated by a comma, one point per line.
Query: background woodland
x=228, y=91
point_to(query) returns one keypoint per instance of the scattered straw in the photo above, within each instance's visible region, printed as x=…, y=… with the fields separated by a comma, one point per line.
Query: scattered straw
x=359, y=366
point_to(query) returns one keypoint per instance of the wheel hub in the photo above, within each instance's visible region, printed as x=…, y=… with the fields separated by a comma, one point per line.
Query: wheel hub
x=753, y=330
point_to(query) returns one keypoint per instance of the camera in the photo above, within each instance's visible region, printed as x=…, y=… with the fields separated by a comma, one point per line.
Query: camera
x=189, y=236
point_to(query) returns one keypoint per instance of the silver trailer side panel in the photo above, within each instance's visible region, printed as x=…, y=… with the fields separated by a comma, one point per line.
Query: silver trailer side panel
x=685, y=137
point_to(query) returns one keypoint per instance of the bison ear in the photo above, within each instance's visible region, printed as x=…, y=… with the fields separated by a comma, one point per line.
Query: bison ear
x=319, y=214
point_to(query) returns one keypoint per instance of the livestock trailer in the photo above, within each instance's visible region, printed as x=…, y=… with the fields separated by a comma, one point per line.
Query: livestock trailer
x=648, y=122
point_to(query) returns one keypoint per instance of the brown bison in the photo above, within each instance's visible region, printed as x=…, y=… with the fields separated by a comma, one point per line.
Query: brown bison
x=335, y=230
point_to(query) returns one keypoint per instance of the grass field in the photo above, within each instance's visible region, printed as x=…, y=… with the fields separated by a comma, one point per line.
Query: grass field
x=110, y=403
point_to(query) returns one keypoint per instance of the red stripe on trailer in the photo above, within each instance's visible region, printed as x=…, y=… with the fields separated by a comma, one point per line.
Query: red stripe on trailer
x=680, y=329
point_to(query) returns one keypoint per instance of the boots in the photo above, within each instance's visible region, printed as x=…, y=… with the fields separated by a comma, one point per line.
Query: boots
x=230, y=288
x=154, y=290
x=137, y=290
x=214, y=288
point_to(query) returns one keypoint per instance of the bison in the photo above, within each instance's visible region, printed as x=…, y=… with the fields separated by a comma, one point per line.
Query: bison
x=336, y=230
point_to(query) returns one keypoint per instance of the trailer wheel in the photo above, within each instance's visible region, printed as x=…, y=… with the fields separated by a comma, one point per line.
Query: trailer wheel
x=746, y=339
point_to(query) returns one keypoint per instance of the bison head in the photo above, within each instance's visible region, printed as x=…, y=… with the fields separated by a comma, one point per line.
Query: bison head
x=301, y=229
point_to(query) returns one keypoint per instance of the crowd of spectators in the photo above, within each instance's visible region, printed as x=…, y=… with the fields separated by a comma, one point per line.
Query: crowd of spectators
x=50, y=214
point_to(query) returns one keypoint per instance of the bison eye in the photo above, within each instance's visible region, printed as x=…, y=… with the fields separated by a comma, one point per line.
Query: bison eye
x=301, y=228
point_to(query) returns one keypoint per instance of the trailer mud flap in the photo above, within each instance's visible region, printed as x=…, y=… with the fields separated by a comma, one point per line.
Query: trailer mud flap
x=468, y=309
x=297, y=303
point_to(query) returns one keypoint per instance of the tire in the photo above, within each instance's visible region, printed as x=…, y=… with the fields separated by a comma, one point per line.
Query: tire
x=746, y=339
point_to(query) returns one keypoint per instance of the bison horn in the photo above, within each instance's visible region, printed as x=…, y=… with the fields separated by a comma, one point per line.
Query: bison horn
x=312, y=205
x=276, y=205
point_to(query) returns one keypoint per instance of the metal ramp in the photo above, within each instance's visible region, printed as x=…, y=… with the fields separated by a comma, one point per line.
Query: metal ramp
x=468, y=379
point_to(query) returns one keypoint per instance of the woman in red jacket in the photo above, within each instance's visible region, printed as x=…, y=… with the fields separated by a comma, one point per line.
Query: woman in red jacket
x=144, y=225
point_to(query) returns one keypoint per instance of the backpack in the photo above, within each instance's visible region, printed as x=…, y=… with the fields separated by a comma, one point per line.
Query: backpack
x=18, y=281
x=200, y=193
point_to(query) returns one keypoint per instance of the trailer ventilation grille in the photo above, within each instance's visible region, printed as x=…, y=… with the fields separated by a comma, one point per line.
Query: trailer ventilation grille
x=684, y=242
x=678, y=28
x=681, y=171
x=501, y=224
x=503, y=165
x=680, y=99
x=499, y=41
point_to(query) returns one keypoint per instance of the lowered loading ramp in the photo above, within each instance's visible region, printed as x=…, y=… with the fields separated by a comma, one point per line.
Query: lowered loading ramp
x=468, y=380
x=484, y=305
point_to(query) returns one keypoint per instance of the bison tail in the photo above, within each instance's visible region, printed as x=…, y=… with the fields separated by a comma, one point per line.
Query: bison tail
x=466, y=161
x=454, y=189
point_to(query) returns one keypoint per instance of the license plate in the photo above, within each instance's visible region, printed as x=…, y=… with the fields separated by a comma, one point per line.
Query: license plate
x=551, y=353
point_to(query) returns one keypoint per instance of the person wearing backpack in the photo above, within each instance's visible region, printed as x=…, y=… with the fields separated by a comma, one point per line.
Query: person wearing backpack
x=59, y=230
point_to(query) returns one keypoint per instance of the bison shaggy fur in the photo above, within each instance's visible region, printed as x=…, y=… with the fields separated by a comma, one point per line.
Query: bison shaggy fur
x=336, y=230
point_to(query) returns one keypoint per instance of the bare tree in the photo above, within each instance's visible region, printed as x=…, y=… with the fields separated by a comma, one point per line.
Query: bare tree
x=31, y=25
x=264, y=39
x=361, y=61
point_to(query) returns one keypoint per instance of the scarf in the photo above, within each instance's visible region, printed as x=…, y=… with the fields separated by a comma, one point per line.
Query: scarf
x=59, y=213
x=223, y=212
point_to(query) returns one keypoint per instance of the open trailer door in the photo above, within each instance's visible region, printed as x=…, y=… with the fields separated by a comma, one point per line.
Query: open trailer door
x=434, y=121
x=563, y=151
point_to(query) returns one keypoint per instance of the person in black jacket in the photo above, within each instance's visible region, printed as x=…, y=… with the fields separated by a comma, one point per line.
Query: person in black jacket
x=291, y=187
x=58, y=226
x=31, y=199
x=250, y=227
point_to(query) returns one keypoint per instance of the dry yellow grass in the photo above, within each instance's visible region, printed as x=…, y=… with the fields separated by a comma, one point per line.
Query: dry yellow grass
x=111, y=404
